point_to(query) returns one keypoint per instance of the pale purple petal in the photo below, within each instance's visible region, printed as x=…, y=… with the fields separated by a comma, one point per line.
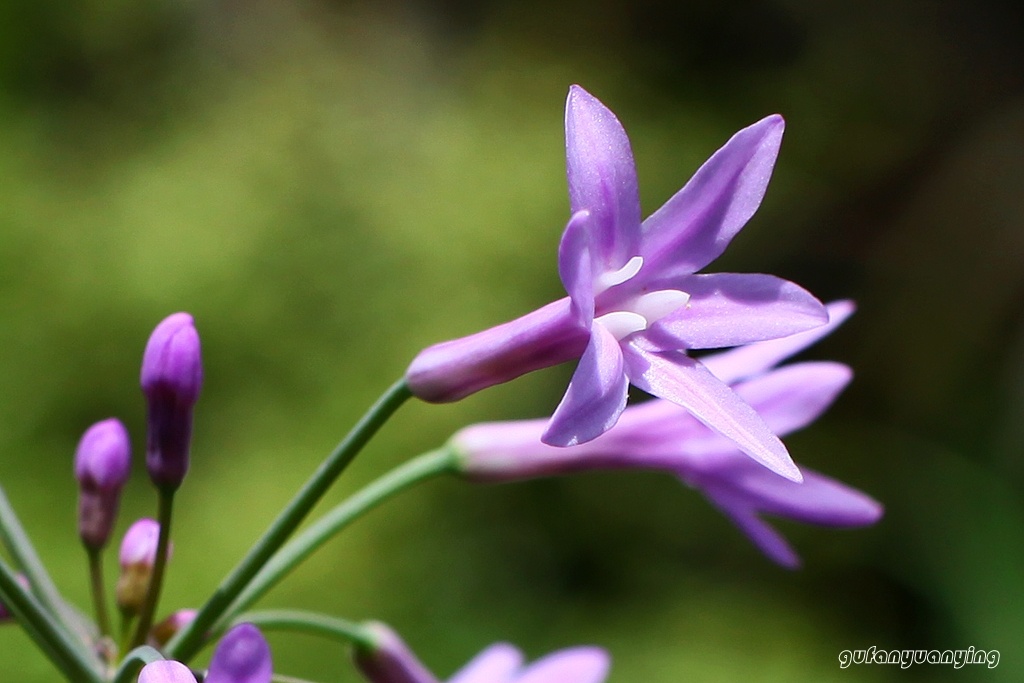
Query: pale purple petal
x=573, y=665
x=497, y=664
x=455, y=369
x=694, y=227
x=602, y=178
x=596, y=395
x=753, y=359
x=794, y=396
x=166, y=671
x=241, y=656
x=726, y=309
x=686, y=382
x=575, y=268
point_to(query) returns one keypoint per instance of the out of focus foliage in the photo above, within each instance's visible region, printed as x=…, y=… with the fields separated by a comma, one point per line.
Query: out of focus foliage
x=330, y=186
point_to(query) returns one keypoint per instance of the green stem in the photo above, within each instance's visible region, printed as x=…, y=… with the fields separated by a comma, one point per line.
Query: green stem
x=190, y=639
x=49, y=634
x=309, y=622
x=420, y=468
x=99, y=595
x=156, y=580
x=16, y=540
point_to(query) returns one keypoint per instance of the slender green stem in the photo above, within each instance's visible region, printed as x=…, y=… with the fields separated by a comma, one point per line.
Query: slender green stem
x=99, y=594
x=420, y=468
x=309, y=622
x=156, y=580
x=49, y=634
x=189, y=640
x=16, y=540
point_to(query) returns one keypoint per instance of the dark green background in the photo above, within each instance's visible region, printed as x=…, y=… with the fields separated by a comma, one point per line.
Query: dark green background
x=329, y=187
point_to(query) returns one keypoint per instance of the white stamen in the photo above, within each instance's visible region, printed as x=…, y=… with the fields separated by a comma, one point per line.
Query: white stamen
x=617, y=277
x=656, y=305
x=621, y=324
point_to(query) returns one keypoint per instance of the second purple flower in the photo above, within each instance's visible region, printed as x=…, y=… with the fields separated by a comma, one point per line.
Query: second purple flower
x=636, y=304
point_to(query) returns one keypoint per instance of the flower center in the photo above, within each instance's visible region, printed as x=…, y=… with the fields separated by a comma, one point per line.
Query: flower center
x=635, y=313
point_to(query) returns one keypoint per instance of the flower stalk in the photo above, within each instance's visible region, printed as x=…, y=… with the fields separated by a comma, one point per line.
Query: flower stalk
x=189, y=640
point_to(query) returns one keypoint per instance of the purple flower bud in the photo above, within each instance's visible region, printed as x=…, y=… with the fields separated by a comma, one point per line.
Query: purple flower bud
x=102, y=462
x=172, y=375
x=242, y=656
x=166, y=671
x=390, y=660
x=169, y=627
x=137, y=557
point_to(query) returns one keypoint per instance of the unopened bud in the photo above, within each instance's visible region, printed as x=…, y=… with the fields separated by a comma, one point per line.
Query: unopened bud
x=172, y=375
x=102, y=461
x=138, y=555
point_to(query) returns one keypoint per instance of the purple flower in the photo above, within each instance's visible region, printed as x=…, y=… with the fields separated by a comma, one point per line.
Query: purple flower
x=172, y=375
x=636, y=304
x=242, y=656
x=391, y=661
x=137, y=557
x=659, y=435
x=102, y=461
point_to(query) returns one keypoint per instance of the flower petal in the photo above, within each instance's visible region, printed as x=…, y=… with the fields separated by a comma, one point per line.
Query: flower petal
x=602, y=178
x=794, y=396
x=684, y=381
x=574, y=665
x=596, y=395
x=727, y=309
x=753, y=359
x=694, y=227
x=575, y=268
x=455, y=369
x=763, y=535
x=497, y=664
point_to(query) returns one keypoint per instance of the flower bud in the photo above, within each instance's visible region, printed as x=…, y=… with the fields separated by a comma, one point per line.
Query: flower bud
x=162, y=633
x=389, y=660
x=242, y=656
x=138, y=555
x=166, y=671
x=102, y=461
x=172, y=375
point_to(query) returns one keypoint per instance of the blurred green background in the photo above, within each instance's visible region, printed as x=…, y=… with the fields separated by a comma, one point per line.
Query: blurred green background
x=331, y=186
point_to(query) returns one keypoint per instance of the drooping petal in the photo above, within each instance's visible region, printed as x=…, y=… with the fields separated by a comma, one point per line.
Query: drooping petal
x=727, y=309
x=457, y=368
x=166, y=671
x=573, y=665
x=497, y=664
x=575, y=268
x=753, y=359
x=596, y=395
x=602, y=178
x=763, y=535
x=242, y=656
x=694, y=227
x=685, y=382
